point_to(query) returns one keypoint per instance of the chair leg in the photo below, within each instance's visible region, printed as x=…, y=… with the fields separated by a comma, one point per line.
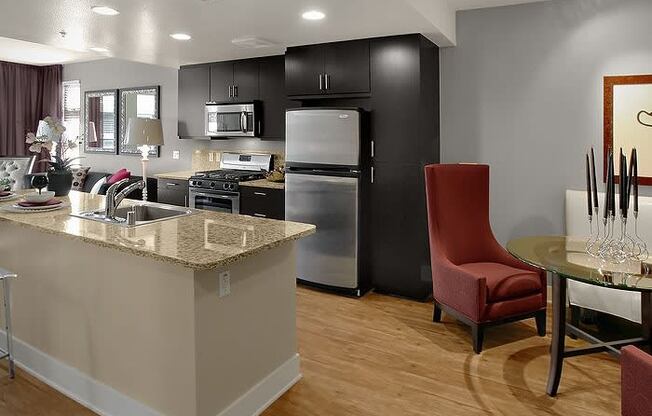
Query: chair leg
x=10, y=339
x=478, y=336
x=540, y=318
x=436, y=314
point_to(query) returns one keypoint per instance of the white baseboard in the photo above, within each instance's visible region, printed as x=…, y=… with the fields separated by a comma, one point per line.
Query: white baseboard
x=90, y=393
x=263, y=394
x=106, y=401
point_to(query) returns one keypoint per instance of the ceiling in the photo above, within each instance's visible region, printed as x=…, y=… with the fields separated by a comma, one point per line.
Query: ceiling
x=141, y=31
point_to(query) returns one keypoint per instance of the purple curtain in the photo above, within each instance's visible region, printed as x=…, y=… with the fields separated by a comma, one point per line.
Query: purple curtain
x=27, y=94
x=95, y=122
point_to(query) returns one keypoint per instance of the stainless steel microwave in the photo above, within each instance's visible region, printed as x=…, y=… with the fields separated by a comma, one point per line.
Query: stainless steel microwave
x=232, y=120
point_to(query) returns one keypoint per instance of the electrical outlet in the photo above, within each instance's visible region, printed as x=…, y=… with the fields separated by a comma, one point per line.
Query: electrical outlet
x=175, y=154
x=210, y=156
x=225, y=283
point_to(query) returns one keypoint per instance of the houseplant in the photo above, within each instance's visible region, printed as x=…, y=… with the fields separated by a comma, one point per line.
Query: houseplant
x=50, y=136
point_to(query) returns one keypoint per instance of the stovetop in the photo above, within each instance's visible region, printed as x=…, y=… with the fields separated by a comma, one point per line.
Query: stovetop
x=229, y=175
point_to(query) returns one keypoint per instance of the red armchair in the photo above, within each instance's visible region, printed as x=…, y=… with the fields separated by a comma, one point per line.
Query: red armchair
x=636, y=371
x=474, y=278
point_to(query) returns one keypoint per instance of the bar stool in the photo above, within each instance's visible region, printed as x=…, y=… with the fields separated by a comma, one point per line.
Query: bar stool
x=5, y=275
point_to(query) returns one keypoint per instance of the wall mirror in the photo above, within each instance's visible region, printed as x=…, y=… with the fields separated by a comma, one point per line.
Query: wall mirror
x=142, y=102
x=101, y=121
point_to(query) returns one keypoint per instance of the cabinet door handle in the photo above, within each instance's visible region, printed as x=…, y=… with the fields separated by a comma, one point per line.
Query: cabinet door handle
x=372, y=174
x=321, y=82
x=235, y=90
x=229, y=91
x=260, y=193
x=327, y=83
x=260, y=215
x=373, y=149
x=171, y=184
x=185, y=201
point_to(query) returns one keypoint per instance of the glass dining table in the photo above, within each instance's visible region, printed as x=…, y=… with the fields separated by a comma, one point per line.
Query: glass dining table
x=565, y=257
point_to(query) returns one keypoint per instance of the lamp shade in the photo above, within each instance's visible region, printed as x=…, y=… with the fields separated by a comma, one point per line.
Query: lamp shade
x=144, y=131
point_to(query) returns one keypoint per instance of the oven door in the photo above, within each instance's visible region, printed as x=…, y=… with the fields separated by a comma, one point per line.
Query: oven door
x=222, y=201
x=230, y=120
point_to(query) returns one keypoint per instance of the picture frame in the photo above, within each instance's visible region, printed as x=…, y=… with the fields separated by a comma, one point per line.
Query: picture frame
x=628, y=121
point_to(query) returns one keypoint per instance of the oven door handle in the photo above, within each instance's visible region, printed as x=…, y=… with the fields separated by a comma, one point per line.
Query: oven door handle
x=214, y=195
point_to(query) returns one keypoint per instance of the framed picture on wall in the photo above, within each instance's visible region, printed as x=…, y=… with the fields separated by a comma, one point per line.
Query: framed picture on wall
x=628, y=121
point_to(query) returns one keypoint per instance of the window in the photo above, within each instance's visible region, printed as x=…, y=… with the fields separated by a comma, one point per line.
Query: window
x=72, y=113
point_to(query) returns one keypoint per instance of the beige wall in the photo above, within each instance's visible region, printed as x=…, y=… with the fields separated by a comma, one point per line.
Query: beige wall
x=155, y=332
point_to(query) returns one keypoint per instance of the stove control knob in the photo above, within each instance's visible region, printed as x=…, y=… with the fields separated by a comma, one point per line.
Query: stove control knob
x=212, y=184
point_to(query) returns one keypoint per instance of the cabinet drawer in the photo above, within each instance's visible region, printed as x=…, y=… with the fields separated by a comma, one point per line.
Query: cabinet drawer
x=173, y=192
x=262, y=202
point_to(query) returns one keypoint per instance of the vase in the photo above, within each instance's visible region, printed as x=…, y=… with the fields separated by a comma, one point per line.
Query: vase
x=60, y=182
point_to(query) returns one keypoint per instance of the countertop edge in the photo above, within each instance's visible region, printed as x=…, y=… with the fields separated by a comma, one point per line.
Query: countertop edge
x=165, y=259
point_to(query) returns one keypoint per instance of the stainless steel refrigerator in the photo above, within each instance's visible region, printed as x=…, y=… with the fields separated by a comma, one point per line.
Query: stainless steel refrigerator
x=322, y=187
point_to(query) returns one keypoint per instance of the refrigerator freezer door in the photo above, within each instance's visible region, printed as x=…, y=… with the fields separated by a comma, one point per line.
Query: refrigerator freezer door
x=323, y=136
x=330, y=256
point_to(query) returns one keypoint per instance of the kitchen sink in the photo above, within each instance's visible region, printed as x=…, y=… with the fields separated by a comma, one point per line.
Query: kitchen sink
x=143, y=214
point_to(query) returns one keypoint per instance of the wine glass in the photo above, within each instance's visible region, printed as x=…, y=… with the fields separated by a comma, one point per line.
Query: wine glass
x=39, y=182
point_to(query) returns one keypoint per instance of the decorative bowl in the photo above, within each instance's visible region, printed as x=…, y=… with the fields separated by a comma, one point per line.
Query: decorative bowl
x=37, y=198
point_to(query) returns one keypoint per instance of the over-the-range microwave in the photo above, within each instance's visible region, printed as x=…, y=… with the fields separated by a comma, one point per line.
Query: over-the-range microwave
x=232, y=120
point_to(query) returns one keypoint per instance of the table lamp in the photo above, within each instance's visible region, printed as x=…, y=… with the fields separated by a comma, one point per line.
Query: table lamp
x=143, y=133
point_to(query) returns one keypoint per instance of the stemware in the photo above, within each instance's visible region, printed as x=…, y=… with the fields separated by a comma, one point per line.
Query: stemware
x=39, y=182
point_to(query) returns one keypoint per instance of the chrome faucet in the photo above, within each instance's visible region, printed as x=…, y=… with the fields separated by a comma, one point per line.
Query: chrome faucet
x=114, y=198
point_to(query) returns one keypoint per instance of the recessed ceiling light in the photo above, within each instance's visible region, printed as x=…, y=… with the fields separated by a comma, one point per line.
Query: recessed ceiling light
x=180, y=36
x=104, y=10
x=313, y=15
x=96, y=49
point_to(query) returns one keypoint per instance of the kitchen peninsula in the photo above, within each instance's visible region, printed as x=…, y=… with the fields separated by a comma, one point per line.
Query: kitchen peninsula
x=188, y=316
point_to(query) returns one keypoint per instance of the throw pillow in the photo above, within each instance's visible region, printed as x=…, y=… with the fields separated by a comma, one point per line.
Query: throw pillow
x=118, y=176
x=96, y=188
x=79, y=177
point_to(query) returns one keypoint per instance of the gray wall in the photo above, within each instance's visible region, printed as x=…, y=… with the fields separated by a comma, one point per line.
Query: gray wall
x=115, y=74
x=522, y=92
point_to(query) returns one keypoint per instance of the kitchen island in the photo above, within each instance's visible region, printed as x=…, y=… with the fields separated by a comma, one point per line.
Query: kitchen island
x=188, y=316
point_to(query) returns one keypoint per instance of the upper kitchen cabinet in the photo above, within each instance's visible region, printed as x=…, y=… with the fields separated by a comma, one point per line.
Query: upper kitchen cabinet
x=194, y=84
x=335, y=69
x=272, y=95
x=234, y=81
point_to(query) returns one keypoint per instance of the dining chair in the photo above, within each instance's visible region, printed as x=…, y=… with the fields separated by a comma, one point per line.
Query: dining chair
x=474, y=278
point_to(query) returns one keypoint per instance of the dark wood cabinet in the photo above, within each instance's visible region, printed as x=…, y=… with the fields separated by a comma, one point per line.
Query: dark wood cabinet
x=262, y=202
x=234, y=81
x=340, y=68
x=304, y=69
x=245, y=80
x=173, y=192
x=194, y=85
x=273, y=98
x=221, y=81
x=346, y=67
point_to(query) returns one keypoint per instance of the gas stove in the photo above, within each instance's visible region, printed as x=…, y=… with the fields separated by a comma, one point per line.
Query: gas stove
x=223, y=179
x=234, y=168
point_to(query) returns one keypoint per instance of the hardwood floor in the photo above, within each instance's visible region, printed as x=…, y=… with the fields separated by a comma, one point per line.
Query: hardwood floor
x=384, y=356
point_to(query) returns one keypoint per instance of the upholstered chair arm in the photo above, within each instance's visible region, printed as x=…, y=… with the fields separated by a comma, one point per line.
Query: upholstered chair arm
x=636, y=373
x=459, y=289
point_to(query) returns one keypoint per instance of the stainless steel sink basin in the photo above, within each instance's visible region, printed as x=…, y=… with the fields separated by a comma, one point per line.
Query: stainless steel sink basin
x=143, y=214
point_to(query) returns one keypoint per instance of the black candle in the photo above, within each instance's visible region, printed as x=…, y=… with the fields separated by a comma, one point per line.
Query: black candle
x=623, y=185
x=635, y=180
x=589, y=203
x=594, y=184
x=610, y=184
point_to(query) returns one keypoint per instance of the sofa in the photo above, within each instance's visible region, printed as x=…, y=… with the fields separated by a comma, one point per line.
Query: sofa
x=93, y=177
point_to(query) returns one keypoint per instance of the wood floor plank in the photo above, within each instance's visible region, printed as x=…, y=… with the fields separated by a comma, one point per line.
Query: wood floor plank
x=381, y=355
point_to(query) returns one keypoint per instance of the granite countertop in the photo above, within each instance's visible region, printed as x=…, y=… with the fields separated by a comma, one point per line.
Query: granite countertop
x=183, y=175
x=204, y=240
x=264, y=183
